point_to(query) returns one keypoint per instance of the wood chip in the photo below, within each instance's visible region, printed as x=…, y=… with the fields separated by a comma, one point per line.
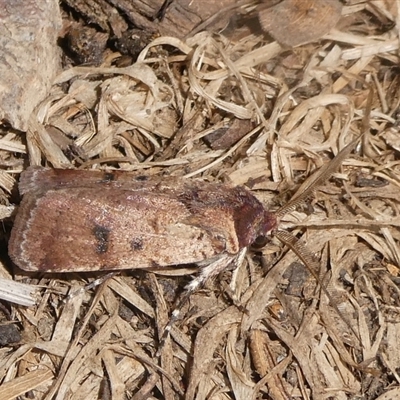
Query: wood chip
x=296, y=22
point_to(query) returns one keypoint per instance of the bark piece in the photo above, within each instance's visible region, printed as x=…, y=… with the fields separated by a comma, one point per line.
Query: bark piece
x=29, y=56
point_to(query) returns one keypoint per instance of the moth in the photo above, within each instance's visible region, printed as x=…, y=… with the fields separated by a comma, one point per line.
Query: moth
x=72, y=220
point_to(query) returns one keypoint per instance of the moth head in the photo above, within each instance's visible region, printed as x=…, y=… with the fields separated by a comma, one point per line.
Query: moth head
x=268, y=224
x=260, y=230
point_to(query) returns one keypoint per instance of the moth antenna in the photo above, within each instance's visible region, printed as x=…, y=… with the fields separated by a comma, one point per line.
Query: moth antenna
x=308, y=259
x=206, y=273
x=317, y=179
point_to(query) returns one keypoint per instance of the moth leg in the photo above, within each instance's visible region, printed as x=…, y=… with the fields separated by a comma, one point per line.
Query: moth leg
x=207, y=272
x=95, y=283
x=232, y=292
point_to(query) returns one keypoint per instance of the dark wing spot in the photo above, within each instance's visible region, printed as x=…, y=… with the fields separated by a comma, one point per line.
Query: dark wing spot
x=154, y=264
x=102, y=236
x=137, y=244
x=108, y=177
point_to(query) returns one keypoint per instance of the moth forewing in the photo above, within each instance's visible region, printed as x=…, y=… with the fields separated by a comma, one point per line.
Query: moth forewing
x=72, y=221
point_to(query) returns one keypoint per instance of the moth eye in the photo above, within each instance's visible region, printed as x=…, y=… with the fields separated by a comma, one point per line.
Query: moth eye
x=260, y=242
x=219, y=242
x=220, y=238
x=108, y=177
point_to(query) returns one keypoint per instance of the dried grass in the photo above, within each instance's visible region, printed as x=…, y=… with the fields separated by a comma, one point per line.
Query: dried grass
x=250, y=337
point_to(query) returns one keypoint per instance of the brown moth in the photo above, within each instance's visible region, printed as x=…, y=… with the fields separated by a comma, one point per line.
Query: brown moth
x=71, y=220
